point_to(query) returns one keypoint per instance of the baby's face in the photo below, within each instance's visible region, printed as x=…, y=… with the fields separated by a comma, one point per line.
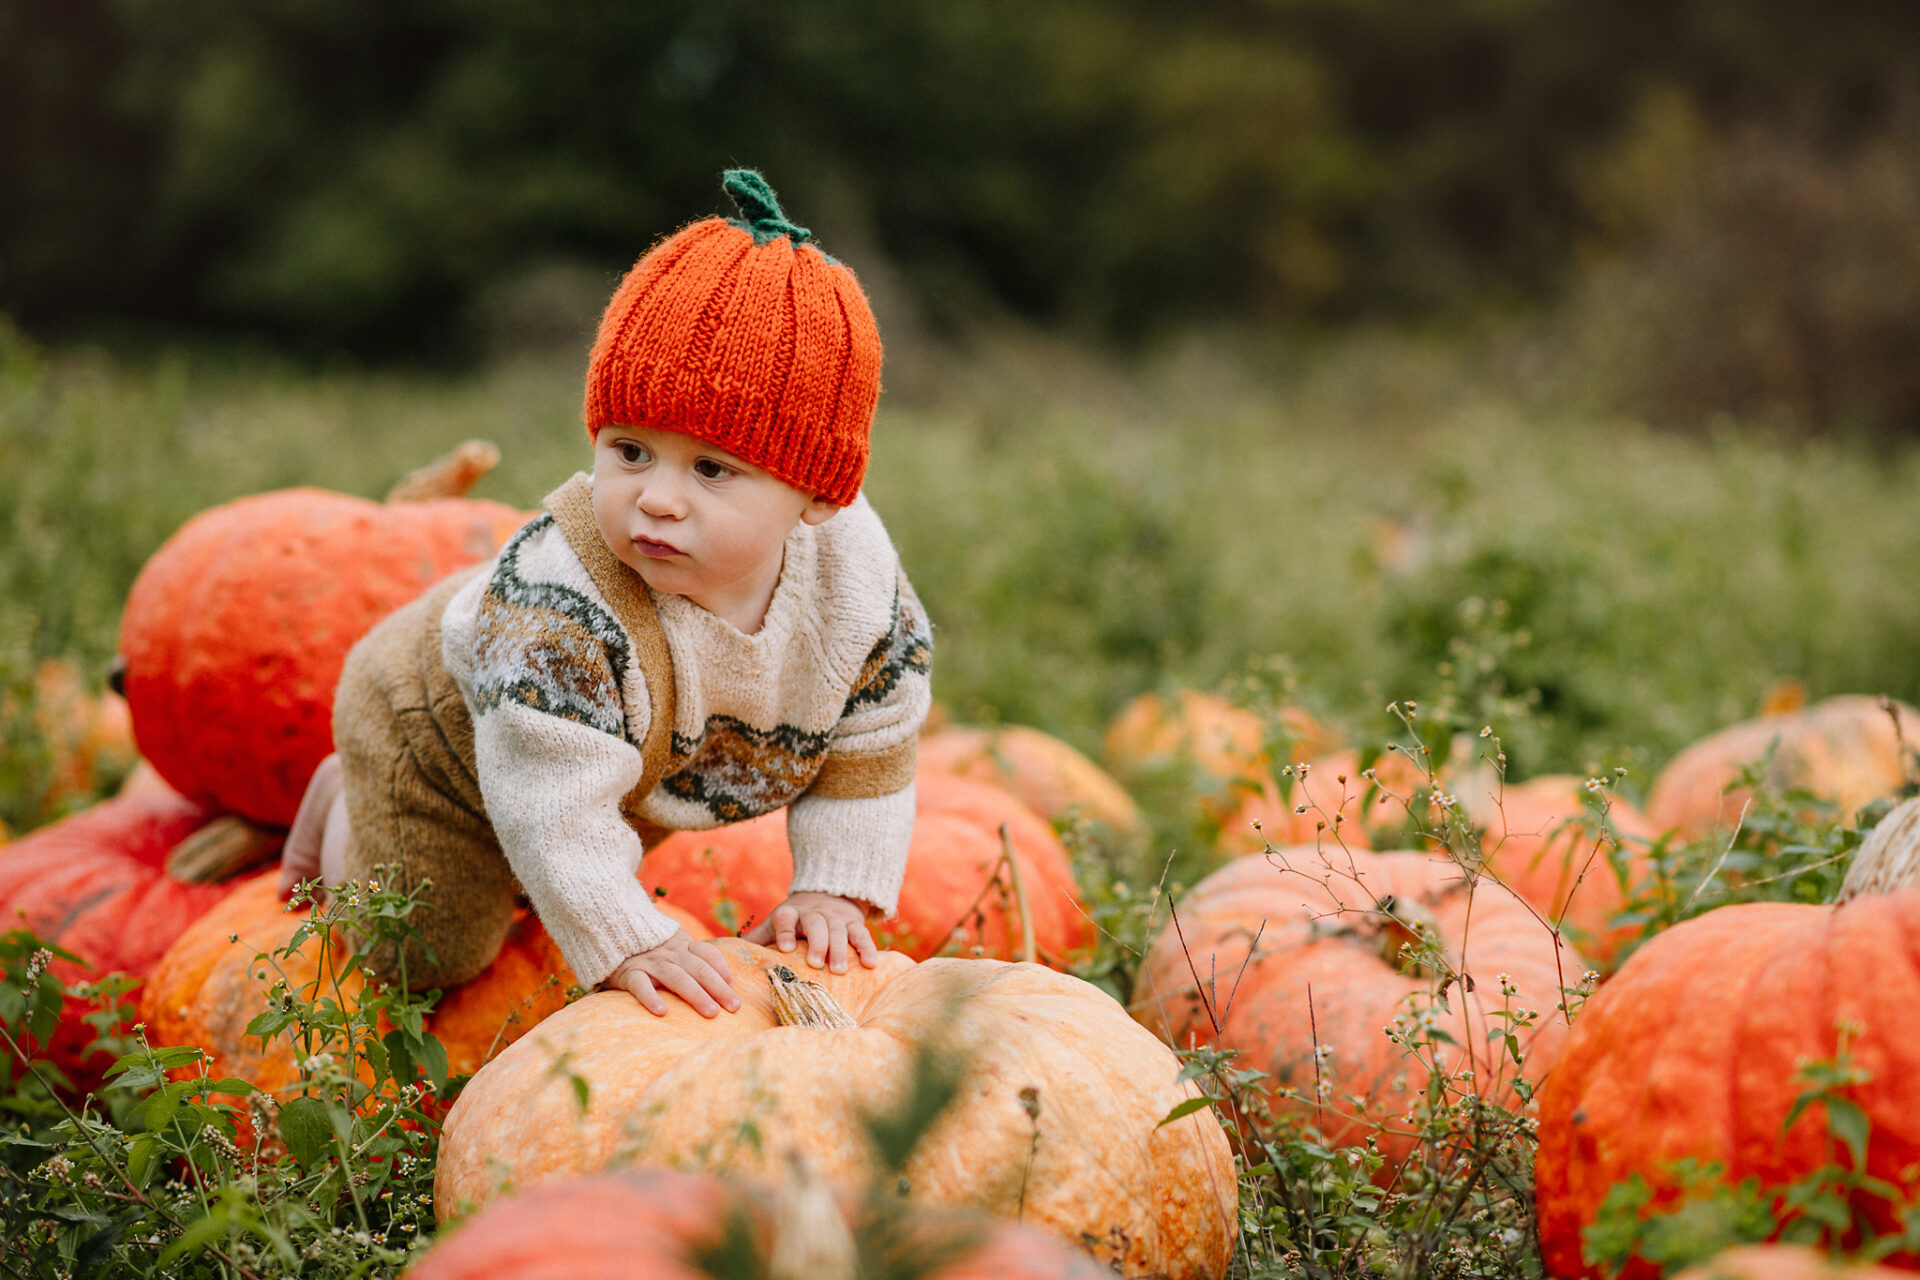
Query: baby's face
x=696, y=521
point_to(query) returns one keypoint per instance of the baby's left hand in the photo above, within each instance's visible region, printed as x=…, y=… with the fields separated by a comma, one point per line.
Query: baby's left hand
x=830, y=925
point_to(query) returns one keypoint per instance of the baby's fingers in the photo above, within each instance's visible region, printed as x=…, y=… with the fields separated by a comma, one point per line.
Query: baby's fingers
x=636, y=983
x=863, y=944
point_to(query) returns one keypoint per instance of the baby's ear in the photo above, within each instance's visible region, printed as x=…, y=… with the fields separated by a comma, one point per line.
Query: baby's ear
x=819, y=511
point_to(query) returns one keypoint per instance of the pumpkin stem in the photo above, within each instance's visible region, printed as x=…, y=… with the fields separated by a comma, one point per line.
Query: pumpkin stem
x=450, y=476
x=1028, y=950
x=799, y=1002
x=760, y=213
x=1889, y=859
x=810, y=1238
x=221, y=850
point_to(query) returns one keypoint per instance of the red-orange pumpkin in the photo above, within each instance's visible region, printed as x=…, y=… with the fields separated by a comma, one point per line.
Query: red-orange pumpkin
x=1329, y=924
x=948, y=900
x=1693, y=1048
x=95, y=884
x=655, y=1223
x=1533, y=841
x=235, y=630
x=1055, y=781
x=1843, y=749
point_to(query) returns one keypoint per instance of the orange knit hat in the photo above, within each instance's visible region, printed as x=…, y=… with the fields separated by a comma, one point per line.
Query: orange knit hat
x=739, y=332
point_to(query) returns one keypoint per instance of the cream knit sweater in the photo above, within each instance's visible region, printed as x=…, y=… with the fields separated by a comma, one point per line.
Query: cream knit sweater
x=817, y=711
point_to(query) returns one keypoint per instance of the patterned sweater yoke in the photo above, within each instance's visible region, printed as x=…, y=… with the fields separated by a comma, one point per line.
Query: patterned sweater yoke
x=605, y=714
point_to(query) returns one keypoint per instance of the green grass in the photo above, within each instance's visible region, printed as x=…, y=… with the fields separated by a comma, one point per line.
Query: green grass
x=1376, y=521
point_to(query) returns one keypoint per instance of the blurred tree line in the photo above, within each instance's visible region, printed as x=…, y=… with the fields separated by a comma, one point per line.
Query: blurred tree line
x=361, y=174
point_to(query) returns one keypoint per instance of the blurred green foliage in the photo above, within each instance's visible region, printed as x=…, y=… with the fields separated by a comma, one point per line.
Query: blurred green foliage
x=369, y=174
x=1381, y=527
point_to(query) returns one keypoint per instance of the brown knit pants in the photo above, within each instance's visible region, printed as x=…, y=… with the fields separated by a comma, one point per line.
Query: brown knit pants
x=405, y=739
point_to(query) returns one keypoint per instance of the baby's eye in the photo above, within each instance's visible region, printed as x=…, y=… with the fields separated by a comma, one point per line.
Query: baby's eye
x=708, y=469
x=631, y=452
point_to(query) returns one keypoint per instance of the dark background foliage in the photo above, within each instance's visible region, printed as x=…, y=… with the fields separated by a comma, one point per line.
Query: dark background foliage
x=376, y=176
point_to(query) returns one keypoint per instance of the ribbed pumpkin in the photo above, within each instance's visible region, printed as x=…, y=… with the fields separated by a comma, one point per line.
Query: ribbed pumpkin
x=656, y=1223
x=1784, y=1262
x=1533, y=841
x=1056, y=1120
x=95, y=884
x=235, y=630
x=1054, y=780
x=956, y=849
x=206, y=989
x=1843, y=749
x=1329, y=925
x=1217, y=746
x=1692, y=1050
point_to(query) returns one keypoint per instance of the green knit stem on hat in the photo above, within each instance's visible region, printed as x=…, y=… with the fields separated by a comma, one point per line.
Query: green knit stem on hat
x=760, y=208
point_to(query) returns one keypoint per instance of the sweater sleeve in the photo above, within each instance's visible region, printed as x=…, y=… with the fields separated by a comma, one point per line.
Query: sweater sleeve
x=558, y=705
x=850, y=831
x=553, y=789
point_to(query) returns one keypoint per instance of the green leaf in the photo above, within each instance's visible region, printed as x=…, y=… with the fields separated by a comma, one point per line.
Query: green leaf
x=153, y=1114
x=234, y=1085
x=140, y=1158
x=1849, y=1124
x=431, y=1056
x=199, y=1233
x=307, y=1129
x=398, y=1056
x=1186, y=1108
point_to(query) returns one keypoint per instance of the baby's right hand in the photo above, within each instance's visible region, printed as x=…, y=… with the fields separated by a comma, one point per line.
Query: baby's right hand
x=694, y=971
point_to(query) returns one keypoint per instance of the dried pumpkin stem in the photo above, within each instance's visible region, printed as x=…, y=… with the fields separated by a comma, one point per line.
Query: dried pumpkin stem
x=450, y=476
x=799, y=1002
x=1889, y=859
x=811, y=1240
x=1029, y=951
x=221, y=850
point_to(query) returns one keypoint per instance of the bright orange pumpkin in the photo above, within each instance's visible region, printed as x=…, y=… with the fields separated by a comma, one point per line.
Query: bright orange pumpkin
x=1055, y=781
x=949, y=898
x=235, y=630
x=1533, y=841
x=1693, y=1049
x=95, y=884
x=1056, y=1119
x=207, y=988
x=1844, y=750
x=656, y=1223
x=1329, y=925
x=1222, y=746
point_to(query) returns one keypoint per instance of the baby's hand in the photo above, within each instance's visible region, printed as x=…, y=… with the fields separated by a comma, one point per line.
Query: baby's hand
x=694, y=971
x=830, y=925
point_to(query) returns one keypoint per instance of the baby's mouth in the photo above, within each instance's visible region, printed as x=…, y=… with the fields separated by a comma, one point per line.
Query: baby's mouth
x=657, y=550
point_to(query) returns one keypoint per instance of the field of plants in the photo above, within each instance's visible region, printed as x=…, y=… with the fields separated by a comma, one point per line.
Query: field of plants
x=1375, y=778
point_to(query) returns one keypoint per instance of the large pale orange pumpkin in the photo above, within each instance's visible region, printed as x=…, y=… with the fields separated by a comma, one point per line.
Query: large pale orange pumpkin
x=1844, y=750
x=95, y=884
x=1329, y=926
x=1534, y=841
x=949, y=899
x=208, y=987
x=1055, y=781
x=657, y=1223
x=1056, y=1119
x=235, y=630
x=1694, y=1048
x=1784, y=1262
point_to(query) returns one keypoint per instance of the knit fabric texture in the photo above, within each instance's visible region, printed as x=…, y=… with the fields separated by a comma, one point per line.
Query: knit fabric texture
x=538, y=722
x=744, y=334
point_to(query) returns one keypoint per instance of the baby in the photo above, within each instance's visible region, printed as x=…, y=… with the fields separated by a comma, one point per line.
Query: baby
x=712, y=626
